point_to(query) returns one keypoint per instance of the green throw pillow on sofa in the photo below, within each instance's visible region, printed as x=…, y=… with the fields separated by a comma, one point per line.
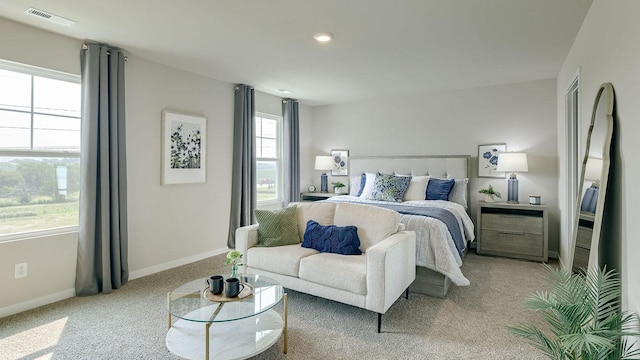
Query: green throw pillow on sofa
x=277, y=228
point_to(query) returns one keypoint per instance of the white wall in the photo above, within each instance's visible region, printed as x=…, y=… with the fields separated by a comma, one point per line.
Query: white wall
x=168, y=225
x=51, y=259
x=521, y=115
x=607, y=50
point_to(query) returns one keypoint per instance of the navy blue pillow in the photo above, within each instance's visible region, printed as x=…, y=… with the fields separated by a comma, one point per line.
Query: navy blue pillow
x=439, y=189
x=332, y=239
x=363, y=181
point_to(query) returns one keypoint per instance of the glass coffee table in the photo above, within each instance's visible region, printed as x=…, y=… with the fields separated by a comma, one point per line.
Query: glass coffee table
x=226, y=329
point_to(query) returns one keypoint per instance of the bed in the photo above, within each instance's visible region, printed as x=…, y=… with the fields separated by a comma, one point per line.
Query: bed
x=443, y=227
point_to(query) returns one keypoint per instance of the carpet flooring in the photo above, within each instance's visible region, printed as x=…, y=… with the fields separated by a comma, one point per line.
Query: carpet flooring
x=130, y=323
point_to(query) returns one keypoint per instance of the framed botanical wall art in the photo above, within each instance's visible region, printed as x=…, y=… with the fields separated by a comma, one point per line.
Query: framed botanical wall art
x=184, y=148
x=488, y=160
x=340, y=162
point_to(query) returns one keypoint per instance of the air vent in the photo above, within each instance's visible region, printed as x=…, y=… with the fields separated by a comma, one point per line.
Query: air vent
x=50, y=17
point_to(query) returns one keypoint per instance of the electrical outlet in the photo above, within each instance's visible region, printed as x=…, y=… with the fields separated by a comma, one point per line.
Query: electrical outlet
x=21, y=270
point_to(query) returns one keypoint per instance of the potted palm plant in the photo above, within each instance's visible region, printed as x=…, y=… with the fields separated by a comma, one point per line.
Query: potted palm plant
x=584, y=316
x=490, y=194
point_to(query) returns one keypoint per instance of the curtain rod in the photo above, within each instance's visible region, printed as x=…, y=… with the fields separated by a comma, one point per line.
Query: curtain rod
x=85, y=47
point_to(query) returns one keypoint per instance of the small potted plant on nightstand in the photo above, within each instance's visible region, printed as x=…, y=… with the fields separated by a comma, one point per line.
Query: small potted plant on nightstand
x=490, y=194
x=339, y=188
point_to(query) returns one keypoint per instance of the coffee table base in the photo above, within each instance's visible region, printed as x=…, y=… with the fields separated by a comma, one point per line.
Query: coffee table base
x=238, y=339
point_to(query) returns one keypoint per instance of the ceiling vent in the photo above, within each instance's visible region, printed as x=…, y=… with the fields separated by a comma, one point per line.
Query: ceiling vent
x=50, y=17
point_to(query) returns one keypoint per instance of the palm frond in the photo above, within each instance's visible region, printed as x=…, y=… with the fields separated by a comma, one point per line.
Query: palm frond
x=584, y=317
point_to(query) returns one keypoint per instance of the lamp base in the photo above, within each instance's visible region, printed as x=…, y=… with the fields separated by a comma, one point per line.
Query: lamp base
x=512, y=190
x=324, y=183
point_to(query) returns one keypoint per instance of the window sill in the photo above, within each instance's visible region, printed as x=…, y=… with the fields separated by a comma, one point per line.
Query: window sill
x=38, y=233
x=269, y=204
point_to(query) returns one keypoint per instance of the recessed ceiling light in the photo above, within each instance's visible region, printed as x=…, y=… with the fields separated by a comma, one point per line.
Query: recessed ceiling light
x=323, y=37
x=284, y=91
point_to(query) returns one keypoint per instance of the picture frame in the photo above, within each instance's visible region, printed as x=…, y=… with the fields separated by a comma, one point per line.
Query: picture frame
x=184, y=148
x=488, y=160
x=340, y=162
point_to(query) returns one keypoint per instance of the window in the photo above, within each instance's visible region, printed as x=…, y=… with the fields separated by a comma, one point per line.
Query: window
x=39, y=150
x=268, y=156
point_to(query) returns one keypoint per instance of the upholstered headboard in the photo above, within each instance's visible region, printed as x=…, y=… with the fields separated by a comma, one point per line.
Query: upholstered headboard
x=439, y=166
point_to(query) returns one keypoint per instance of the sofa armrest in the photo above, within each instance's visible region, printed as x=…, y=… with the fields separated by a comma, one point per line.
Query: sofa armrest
x=391, y=268
x=246, y=238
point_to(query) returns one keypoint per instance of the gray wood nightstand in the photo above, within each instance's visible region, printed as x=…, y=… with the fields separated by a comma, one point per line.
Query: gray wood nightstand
x=513, y=230
x=315, y=196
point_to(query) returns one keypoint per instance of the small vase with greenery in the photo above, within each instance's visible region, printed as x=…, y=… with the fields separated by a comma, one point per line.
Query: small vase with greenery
x=234, y=257
x=490, y=194
x=584, y=316
x=338, y=187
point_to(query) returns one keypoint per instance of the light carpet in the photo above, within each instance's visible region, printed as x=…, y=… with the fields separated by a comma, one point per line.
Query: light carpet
x=130, y=323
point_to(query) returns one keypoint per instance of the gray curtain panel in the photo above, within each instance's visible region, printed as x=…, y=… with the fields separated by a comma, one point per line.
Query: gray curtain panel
x=243, y=177
x=103, y=242
x=291, y=155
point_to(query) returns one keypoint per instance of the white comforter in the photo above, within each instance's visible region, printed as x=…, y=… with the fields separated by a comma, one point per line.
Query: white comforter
x=435, y=248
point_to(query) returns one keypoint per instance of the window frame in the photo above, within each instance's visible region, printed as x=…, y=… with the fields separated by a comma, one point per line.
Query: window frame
x=39, y=153
x=278, y=159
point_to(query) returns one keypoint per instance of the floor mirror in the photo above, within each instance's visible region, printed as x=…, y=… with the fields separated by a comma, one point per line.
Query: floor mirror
x=587, y=230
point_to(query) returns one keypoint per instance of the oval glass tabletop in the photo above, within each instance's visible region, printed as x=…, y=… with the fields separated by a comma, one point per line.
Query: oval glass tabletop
x=188, y=301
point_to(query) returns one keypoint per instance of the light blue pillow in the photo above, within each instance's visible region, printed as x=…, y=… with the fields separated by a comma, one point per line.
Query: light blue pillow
x=439, y=189
x=388, y=187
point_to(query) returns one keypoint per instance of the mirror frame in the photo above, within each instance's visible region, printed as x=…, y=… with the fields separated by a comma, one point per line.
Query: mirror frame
x=606, y=91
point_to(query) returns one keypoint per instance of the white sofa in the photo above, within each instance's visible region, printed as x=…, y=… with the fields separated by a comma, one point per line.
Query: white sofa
x=373, y=280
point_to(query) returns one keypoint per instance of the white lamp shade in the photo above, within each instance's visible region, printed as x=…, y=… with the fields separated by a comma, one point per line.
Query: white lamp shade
x=324, y=163
x=593, y=169
x=512, y=162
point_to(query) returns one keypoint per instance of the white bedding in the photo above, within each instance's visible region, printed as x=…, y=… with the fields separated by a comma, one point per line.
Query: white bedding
x=435, y=248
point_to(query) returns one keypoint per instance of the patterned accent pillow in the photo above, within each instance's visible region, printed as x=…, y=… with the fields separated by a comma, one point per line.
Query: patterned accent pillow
x=277, y=228
x=439, y=189
x=333, y=239
x=388, y=187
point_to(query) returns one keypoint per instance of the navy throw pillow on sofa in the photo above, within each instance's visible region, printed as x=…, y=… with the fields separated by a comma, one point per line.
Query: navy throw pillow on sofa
x=439, y=189
x=332, y=239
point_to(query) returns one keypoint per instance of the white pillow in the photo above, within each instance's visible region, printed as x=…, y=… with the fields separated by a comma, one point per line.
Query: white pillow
x=417, y=188
x=459, y=192
x=368, y=185
x=354, y=187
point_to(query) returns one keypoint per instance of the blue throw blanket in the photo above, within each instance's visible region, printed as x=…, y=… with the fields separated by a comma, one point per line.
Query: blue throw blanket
x=444, y=215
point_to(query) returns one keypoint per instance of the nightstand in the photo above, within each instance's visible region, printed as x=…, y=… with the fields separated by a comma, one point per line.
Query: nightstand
x=315, y=196
x=513, y=230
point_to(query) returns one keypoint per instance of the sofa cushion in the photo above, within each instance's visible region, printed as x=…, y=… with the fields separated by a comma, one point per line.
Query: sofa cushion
x=374, y=223
x=277, y=228
x=332, y=239
x=284, y=260
x=320, y=212
x=336, y=271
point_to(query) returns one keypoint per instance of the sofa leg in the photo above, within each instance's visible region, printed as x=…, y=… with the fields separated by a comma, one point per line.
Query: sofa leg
x=406, y=294
x=379, y=321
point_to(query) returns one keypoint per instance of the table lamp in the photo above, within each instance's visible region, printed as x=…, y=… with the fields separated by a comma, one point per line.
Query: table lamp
x=324, y=163
x=512, y=162
x=593, y=171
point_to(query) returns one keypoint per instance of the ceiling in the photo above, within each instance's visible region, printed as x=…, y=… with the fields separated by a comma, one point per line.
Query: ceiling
x=381, y=48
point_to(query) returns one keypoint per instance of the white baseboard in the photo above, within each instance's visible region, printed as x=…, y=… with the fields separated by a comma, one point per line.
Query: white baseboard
x=175, y=263
x=69, y=293
x=34, y=303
